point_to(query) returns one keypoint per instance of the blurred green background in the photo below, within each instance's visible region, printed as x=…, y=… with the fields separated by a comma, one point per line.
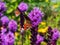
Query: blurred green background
x=51, y=9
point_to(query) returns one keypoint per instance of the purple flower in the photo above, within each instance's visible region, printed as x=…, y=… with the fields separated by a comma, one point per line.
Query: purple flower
x=23, y=6
x=2, y=38
x=5, y=20
x=9, y=38
x=3, y=30
x=12, y=25
x=39, y=39
x=37, y=12
x=59, y=34
x=2, y=7
x=36, y=22
x=55, y=35
x=35, y=16
x=1, y=14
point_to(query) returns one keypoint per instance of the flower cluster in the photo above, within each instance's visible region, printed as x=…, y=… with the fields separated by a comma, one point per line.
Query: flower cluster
x=55, y=35
x=5, y=21
x=12, y=25
x=36, y=16
x=52, y=37
x=23, y=7
x=8, y=34
x=9, y=38
x=39, y=38
x=7, y=27
x=2, y=7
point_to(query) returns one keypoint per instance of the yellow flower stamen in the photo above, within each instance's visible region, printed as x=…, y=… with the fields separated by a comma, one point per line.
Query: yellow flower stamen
x=16, y=34
x=46, y=0
x=43, y=23
x=43, y=30
x=29, y=37
x=43, y=43
x=55, y=6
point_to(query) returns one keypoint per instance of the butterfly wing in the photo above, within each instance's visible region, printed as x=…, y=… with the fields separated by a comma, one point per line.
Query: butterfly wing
x=17, y=12
x=27, y=23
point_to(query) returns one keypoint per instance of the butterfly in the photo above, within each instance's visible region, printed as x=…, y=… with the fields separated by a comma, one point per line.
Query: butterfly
x=24, y=19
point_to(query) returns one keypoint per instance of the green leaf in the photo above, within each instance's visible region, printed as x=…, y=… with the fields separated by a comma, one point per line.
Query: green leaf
x=9, y=10
x=13, y=1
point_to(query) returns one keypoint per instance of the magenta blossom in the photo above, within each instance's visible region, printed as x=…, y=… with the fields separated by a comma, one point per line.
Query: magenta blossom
x=23, y=7
x=3, y=30
x=39, y=39
x=5, y=20
x=55, y=35
x=12, y=25
x=35, y=16
x=1, y=14
x=2, y=7
x=9, y=38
